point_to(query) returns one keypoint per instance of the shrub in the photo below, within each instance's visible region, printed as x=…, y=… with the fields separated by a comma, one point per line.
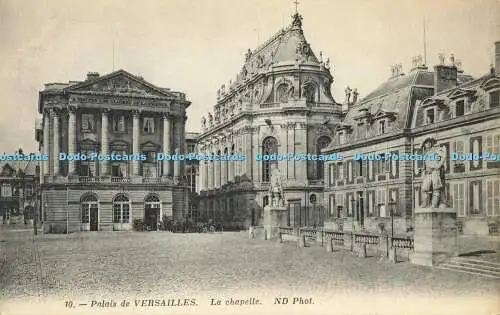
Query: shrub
x=138, y=225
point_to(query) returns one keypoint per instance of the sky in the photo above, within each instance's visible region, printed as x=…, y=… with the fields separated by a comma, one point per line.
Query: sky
x=195, y=46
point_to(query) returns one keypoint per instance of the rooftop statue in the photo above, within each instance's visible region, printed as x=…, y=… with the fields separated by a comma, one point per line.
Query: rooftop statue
x=433, y=182
x=203, y=122
x=210, y=120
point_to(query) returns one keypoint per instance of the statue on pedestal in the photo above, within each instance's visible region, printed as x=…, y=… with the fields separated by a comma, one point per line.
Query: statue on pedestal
x=275, y=188
x=433, y=182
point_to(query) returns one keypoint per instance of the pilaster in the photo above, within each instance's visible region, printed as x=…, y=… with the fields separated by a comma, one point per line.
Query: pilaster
x=104, y=141
x=167, y=134
x=55, y=157
x=46, y=141
x=135, y=142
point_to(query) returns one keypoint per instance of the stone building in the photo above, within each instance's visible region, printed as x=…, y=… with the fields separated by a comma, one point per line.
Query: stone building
x=18, y=191
x=460, y=112
x=280, y=102
x=122, y=115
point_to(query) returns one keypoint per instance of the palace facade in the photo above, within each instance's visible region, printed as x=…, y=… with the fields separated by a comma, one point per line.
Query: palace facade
x=280, y=102
x=461, y=113
x=115, y=115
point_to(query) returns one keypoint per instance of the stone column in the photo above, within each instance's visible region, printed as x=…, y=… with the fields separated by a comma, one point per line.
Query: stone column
x=55, y=157
x=167, y=133
x=231, y=165
x=301, y=166
x=177, y=166
x=104, y=141
x=71, y=139
x=205, y=175
x=135, y=142
x=210, y=177
x=223, y=178
x=217, y=169
x=46, y=141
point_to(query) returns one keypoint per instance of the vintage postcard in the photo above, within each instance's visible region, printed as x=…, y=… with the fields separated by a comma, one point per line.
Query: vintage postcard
x=249, y=157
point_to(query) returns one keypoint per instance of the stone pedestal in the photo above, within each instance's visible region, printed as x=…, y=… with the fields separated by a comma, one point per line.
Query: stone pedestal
x=435, y=236
x=274, y=217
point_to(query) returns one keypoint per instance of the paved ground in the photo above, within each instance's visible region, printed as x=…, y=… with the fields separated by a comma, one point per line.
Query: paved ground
x=92, y=264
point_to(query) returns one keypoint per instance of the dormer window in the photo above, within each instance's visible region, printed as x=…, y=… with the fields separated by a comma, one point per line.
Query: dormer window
x=460, y=108
x=495, y=99
x=381, y=127
x=429, y=116
x=341, y=137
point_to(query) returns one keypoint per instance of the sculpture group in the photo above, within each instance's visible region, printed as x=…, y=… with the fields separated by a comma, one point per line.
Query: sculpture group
x=276, y=196
x=433, y=182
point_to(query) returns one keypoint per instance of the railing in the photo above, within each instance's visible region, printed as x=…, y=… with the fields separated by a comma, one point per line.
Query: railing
x=120, y=179
x=286, y=230
x=366, y=239
x=402, y=242
x=309, y=233
x=89, y=179
x=334, y=235
x=151, y=180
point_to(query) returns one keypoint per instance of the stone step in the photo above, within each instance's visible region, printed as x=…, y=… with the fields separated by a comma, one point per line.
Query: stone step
x=477, y=261
x=477, y=270
x=487, y=265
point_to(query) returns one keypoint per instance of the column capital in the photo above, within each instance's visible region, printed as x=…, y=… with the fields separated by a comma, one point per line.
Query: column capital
x=72, y=108
x=136, y=112
x=106, y=111
x=166, y=116
x=55, y=111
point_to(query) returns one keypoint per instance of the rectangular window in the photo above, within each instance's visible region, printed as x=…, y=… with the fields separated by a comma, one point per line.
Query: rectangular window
x=6, y=190
x=28, y=190
x=459, y=108
x=331, y=176
x=381, y=203
x=359, y=168
x=429, y=116
x=341, y=137
x=332, y=206
x=493, y=197
x=475, y=196
x=495, y=99
x=340, y=170
x=88, y=122
x=458, y=197
x=119, y=124
x=459, y=148
x=339, y=200
x=148, y=125
x=493, y=144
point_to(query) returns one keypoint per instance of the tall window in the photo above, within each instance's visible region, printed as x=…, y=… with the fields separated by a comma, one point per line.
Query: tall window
x=310, y=93
x=119, y=124
x=88, y=204
x=269, y=146
x=6, y=190
x=28, y=190
x=459, y=148
x=359, y=168
x=150, y=165
x=381, y=127
x=475, y=197
x=458, y=198
x=331, y=205
x=121, y=209
x=493, y=197
x=340, y=201
x=495, y=99
x=493, y=143
x=148, y=125
x=88, y=122
x=381, y=203
x=323, y=142
x=340, y=166
x=282, y=93
x=369, y=203
x=430, y=116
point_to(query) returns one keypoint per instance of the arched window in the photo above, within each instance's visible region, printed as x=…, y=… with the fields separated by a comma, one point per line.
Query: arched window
x=152, y=202
x=310, y=93
x=88, y=203
x=322, y=143
x=121, y=209
x=269, y=146
x=282, y=93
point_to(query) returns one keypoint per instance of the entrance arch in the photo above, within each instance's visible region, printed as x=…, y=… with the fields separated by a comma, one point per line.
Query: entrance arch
x=89, y=205
x=121, y=212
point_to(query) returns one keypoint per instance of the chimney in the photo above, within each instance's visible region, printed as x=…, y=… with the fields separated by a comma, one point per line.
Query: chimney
x=445, y=76
x=92, y=76
x=497, y=58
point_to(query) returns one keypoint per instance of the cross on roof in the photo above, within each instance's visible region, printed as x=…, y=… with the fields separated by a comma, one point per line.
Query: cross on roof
x=296, y=6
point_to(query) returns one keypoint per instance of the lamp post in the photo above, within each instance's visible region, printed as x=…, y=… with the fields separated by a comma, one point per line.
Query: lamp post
x=392, y=204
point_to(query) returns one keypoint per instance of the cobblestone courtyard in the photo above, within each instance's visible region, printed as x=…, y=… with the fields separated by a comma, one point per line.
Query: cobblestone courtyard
x=91, y=264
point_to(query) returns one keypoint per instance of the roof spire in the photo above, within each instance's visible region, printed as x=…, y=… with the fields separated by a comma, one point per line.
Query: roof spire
x=296, y=6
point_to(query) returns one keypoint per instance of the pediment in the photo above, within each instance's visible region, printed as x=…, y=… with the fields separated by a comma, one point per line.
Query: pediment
x=88, y=144
x=120, y=83
x=490, y=83
x=8, y=170
x=149, y=146
x=119, y=146
x=384, y=114
x=460, y=93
